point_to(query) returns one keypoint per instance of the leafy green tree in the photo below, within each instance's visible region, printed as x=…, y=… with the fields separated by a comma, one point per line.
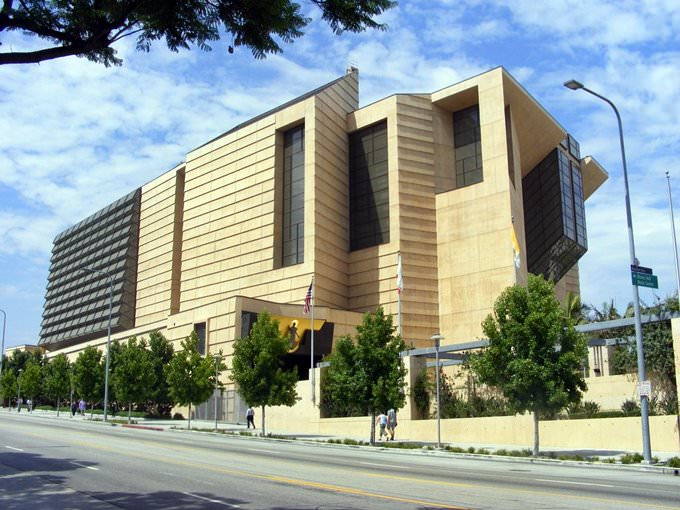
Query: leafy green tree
x=190, y=376
x=88, y=376
x=57, y=378
x=89, y=28
x=367, y=375
x=8, y=385
x=115, y=349
x=657, y=345
x=534, y=352
x=30, y=380
x=134, y=377
x=258, y=368
x=422, y=390
x=161, y=352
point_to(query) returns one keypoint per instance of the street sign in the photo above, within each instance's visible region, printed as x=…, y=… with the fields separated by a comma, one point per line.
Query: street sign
x=645, y=280
x=645, y=388
x=640, y=269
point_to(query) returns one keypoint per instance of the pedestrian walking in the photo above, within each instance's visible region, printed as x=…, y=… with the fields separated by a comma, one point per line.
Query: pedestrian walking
x=250, y=417
x=381, y=420
x=73, y=408
x=391, y=423
x=29, y=405
x=81, y=407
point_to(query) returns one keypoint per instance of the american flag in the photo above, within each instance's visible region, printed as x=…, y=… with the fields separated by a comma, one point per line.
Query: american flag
x=308, y=298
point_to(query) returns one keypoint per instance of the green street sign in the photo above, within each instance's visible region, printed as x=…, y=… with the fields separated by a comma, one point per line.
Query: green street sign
x=645, y=280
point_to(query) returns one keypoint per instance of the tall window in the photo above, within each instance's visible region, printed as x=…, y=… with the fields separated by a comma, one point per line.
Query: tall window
x=200, y=330
x=468, y=144
x=369, y=205
x=294, y=196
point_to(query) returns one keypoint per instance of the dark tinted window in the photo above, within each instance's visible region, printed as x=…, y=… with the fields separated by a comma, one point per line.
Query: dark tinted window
x=369, y=213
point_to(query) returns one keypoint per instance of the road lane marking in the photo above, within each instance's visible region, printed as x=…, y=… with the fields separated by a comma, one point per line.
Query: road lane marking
x=573, y=483
x=386, y=465
x=211, y=500
x=238, y=472
x=84, y=466
x=264, y=451
x=15, y=449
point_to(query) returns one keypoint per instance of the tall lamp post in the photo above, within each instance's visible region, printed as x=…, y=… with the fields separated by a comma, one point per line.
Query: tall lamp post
x=108, y=336
x=644, y=408
x=217, y=362
x=2, y=350
x=437, y=339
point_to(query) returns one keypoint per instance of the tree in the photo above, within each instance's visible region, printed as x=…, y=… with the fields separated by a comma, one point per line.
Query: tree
x=534, y=352
x=161, y=352
x=57, y=378
x=367, y=375
x=89, y=28
x=657, y=345
x=190, y=376
x=8, y=385
x=258, y=367
x=30, y=380
x=88, y=375
x=134, y=377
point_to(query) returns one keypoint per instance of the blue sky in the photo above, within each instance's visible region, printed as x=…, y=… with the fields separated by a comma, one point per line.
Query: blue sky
x=75, y=136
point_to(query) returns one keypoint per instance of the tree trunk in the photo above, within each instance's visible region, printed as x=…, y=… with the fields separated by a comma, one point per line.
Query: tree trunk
x=58, y=406
x=129, y=412
x=263, y=434
x=189, y=415
x=535, y=451
x=371, y=439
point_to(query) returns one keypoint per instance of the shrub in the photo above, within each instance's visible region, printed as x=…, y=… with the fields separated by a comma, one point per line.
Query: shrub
x=630, y=408
x=674, y=462
x=591, y=409
x=632, y=458
x=177, y=416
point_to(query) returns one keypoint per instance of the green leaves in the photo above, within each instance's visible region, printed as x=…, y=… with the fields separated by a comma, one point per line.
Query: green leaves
x=534, y=353
x=366, y=375
x=89, y=29
x=258, y=366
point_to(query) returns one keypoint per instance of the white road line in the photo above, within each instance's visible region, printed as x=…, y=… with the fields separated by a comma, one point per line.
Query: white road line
x=211, y=500
x=166, y=474
x=264, y=451
x=15, y=449
x=573, y=483
x=384, y=465
x=87, y=467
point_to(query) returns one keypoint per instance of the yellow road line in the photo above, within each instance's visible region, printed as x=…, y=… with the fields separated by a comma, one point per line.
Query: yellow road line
x=361, y=492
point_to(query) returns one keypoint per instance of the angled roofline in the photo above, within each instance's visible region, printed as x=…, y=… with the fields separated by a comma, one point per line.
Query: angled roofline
x=283, y=106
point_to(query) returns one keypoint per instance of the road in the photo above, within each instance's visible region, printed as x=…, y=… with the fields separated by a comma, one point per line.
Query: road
x=58, y=464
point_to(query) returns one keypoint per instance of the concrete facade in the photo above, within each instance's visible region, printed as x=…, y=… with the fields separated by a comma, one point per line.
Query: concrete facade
x=211, y=234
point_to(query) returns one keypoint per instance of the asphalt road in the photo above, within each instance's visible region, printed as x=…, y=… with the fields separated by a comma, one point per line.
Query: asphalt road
x=63, y=464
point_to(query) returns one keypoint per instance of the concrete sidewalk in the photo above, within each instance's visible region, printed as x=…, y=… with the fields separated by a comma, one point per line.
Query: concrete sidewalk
x=206, y=426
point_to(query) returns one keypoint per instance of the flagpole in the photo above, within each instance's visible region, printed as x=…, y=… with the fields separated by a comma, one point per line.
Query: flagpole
x=675, y=245
x=311, y=368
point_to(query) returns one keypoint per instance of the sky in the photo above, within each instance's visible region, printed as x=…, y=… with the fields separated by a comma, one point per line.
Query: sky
x=75, y=136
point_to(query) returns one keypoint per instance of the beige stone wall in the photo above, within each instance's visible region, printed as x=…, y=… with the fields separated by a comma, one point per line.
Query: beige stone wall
x=474, y=227
x=159, y=251
x=507, y=431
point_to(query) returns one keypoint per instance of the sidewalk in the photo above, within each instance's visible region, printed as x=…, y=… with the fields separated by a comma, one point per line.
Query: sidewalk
x=206, y=426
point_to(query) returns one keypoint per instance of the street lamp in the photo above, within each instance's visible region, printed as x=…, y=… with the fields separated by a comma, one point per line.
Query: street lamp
x=647, y=453
x=217, y=362
x=437, y=338
x=19, y=389
x=2, y=350
x=108, y=336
